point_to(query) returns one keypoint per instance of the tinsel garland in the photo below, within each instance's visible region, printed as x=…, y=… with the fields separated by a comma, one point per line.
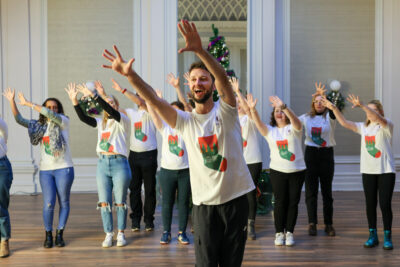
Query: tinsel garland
x=337, y=99
x=90, y=107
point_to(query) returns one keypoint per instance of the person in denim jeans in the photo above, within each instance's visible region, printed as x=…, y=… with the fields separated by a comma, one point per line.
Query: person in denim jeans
x=113, y=171
x=56, y=168
x=6, y=177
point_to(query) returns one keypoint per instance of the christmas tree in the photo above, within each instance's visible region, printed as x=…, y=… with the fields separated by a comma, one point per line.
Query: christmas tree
x=218, y=49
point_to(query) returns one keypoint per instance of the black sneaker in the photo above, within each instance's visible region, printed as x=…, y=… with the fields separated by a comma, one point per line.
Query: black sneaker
x=329, y=230
x=312, y=229
x=135, y=227
x=149, y=227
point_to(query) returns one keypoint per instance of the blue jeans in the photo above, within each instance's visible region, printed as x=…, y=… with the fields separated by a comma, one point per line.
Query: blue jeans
x=113, y=174
x=56, y=182
x=6, y=177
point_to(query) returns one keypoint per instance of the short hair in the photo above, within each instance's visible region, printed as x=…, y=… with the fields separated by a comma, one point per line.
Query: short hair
x=272, y=121
x=200, y=65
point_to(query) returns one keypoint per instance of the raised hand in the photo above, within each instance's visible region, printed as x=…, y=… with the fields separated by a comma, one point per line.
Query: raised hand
x=276, y=102
x=355, y=100
x=319, y=89
x=22, y=100
x=9, y=94
x=71, y=91
x=159, y=93
x=328, y=104
x=235, y=84
x=116, y=86
x=99, y=87
x=117, y=63
x=251, y=101
x=187, y=78
x=191, y=36
x=172, y=80
x=83, y=89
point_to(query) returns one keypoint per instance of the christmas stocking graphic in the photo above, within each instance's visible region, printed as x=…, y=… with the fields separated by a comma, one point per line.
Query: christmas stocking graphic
x=173, y=146
x=370, y=145
x=209, y=150
x=316, y=136
x=244, y=141
x=138, y=132
x=46, y=143
x=283, y=150
x=104, y=144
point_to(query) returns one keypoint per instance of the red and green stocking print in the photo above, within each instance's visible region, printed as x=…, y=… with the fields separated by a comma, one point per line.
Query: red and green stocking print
x=209, y=150
x=104, y=144
x=283, y=150
x=138, y=132
x=370, y=145
x=244, y=141
x=46, y=143
x=173, y=146
x=316, y=136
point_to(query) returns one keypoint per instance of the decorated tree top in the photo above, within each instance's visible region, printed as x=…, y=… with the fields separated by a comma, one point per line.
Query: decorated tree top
x=218, y=49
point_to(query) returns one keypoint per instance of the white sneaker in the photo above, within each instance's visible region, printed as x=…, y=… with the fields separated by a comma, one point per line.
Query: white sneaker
x=279, y=239
x=108, y=240
x=289, y=239
x=121, y=242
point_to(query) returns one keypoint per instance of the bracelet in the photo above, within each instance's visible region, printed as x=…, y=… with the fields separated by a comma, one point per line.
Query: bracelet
x=123, y=91
x=283, y=107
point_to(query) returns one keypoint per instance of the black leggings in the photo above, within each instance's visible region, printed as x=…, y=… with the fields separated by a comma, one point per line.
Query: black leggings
x=287, y=192
x=320, y=168
x=384, y=185
x=255, y=171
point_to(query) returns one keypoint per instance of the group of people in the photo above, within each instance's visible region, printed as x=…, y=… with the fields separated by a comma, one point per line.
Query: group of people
x=211, y=152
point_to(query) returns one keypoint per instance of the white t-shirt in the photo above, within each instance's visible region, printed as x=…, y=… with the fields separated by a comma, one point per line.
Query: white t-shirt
x=376, y=148
x=285, y=146
x=251, y=141
x=174, y=153
x=143, y=132
x=218, y=172
x=113, y=137
x=48, y=161
x=3, y=138
x=319, y=130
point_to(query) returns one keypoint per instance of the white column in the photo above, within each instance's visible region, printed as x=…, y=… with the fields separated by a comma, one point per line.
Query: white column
x=390, y=73
x=261, y=56
x=21, y=66
x=156, y=43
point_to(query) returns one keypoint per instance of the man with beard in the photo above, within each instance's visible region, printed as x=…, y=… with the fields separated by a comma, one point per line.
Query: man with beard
x=219, y=176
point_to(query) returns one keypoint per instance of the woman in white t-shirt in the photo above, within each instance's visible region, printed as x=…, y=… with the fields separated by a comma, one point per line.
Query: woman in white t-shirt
x=174, y=176
x=113, y=172
x=56, y=173
x=6, y=177
x=319, y=128
x=287, y=168
x=376, y=164
x=251, y=153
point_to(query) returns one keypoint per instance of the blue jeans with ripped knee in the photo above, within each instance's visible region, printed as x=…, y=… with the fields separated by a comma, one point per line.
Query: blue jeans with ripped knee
x=113, y=174
x=56, y=183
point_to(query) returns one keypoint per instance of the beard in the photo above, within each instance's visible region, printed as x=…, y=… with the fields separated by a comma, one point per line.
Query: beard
x=204, y=99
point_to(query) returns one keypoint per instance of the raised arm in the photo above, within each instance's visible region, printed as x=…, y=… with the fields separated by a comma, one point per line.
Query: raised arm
x=113, y=113
x=251, y=103
x=162, y=107
x=175, y=83
x=319, y=89
x=72, y=93
x=276, y=102
x=241, y=100
x=339, y=115
x=154, y=116
x=372, y=114
x=10, y=95
x=128, y=94
x=193, y=43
